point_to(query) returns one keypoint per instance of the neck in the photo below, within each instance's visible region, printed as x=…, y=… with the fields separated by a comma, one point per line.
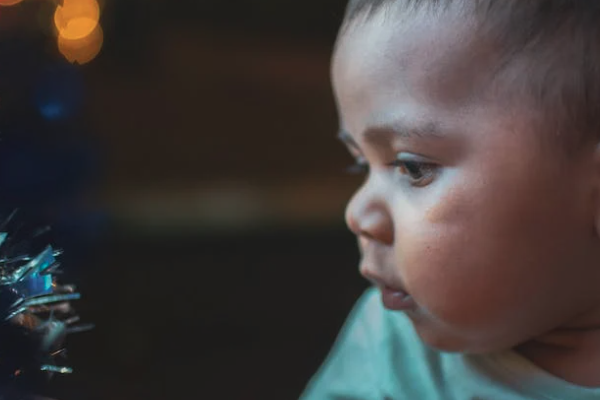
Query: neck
x=571, y=352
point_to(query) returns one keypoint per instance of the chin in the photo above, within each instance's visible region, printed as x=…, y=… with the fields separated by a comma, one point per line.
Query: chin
x=451, y=343
x=445, y=344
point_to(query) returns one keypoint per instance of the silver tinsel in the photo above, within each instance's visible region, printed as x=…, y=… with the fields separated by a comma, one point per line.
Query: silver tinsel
x=35, y=316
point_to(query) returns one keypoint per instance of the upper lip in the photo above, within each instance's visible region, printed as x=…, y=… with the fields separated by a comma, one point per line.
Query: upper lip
x=380, y=281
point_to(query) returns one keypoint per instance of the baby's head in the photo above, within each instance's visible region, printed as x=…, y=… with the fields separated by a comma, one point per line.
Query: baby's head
x=479, y=122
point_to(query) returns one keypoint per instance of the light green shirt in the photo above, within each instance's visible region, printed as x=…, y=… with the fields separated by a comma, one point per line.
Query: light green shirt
x=378, y=356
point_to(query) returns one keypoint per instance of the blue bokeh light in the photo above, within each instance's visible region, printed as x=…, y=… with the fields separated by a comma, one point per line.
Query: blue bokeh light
x=60, y=92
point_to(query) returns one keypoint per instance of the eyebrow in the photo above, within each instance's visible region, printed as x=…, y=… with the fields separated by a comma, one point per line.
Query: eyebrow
x=379, y=133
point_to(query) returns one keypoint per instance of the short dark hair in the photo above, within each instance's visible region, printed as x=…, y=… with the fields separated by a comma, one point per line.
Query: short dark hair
x=560, y=41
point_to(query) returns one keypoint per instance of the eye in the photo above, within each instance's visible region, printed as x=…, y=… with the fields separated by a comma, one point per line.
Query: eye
x=419, y=173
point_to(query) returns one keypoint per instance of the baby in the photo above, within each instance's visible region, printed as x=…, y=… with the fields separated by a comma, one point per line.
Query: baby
x=478, y=124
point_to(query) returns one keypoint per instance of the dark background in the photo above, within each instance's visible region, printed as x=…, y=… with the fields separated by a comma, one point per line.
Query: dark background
x=196, y=186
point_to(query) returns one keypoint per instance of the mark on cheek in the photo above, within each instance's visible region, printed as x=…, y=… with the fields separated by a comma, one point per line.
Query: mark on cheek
x=442, y=209
x=434, y=213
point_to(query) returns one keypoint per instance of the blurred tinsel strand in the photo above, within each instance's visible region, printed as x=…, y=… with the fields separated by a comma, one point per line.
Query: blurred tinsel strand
x=35, y=313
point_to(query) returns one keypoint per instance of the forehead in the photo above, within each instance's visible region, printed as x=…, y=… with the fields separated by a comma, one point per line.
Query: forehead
x=391, y=56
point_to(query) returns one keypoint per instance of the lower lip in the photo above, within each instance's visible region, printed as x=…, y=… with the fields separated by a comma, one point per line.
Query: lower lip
x=396, y=300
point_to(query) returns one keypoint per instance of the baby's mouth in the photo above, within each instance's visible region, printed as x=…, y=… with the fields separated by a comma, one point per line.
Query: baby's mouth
x=396, y=299
x=393, y=296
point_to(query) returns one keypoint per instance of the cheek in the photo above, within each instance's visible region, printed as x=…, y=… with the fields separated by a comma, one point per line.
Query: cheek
x=471, y=260
x=448, y=272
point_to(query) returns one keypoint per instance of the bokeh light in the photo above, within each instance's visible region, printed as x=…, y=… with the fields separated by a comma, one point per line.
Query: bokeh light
x=9, y=2
x=83, y=50
x=59, y=92
x=76, y=19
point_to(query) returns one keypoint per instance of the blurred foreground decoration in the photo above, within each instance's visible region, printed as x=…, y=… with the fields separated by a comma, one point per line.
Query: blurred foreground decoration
x=59, y=92
x=77, y=26
x=44, y=165
x=76, y=19
x=84, y=50
x=35, y=313
x=79, y=33
x=49, y=158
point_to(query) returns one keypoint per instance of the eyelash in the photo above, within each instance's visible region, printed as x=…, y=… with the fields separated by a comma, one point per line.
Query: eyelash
x=425, y=170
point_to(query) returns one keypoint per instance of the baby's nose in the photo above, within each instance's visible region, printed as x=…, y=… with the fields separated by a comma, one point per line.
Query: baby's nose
x=368, y=217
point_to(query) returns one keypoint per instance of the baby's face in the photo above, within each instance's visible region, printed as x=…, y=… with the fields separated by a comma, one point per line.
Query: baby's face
x=489, y=231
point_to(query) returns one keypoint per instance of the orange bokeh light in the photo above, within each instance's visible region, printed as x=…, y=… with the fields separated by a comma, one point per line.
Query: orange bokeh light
x=76, y=19
x=9, y=2
x=84, y=50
